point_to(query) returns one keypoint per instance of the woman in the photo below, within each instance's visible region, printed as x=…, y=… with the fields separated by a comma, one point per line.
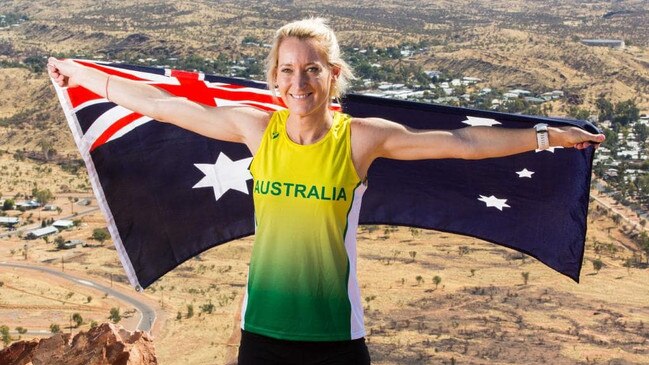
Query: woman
x=302, y=303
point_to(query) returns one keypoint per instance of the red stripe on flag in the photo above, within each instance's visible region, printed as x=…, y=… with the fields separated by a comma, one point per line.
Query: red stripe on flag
x=184, y=74
x=79, y=95
x=114, y=128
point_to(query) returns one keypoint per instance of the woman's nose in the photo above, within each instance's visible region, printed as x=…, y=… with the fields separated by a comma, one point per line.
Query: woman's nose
x=301, y=79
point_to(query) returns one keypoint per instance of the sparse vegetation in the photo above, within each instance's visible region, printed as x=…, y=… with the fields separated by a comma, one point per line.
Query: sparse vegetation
x=419, y=279
x=77, y=319
x=437, y=280
x=190, y=311
x=100, y=235
x=4, y=333
x=207, y=308
x=55, y=328
x=115, y=316
x=597, y=265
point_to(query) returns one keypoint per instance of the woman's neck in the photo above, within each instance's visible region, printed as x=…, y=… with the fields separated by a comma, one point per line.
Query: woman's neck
x=308, y=129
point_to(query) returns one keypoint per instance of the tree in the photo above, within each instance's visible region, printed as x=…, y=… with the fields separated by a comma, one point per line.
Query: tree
x=47, y=146
x=60, y=242
x=419, y=279
x=526, y=277
x=412, y=255
x=77, y=319
x=625, y=112
x=100, y=234
x=42, y=196
x=578, y=113
x=437, y=280
x=6, y=337
x=54, y=328
x=643, y=241
x=114, y=316
x=21, y=330
x=641, y=133
x=8, y=204
x=604, y=108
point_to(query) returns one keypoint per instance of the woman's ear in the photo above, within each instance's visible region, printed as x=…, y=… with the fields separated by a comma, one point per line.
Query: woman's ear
x=335, y=72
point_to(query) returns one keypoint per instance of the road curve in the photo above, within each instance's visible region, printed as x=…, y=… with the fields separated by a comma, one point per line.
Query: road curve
x=147, y=313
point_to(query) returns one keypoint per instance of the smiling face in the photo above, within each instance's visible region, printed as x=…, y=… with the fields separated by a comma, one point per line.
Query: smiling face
x=304, y=77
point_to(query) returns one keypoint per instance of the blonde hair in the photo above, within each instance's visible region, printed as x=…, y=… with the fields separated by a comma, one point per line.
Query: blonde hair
x=318, y=30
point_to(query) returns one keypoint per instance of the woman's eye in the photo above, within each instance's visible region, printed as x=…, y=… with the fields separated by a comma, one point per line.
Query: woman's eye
x=285, y=70
x=313, y=69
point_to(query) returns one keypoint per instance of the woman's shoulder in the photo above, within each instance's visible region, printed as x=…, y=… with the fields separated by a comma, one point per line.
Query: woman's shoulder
x=369, y=124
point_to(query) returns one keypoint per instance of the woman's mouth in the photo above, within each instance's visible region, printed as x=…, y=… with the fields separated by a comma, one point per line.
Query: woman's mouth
x=300, y=96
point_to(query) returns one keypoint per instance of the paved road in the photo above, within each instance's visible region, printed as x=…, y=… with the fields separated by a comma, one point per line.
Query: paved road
x=147, y=313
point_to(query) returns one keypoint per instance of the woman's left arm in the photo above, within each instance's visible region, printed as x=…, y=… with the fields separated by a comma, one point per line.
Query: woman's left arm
x=399, y=142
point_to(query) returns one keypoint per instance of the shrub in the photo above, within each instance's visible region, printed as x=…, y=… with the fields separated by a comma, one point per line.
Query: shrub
x=190, y=310
x=207, y=308
x=4, y=332
x=100, y=234
x=114, y=316
x=597, y=265
x=77, y=319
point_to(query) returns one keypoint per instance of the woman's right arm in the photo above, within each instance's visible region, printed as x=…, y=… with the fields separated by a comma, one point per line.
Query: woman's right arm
x=227, y=123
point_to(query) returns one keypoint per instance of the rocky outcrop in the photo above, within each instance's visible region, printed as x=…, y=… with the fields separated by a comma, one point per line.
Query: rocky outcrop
x=103, y=345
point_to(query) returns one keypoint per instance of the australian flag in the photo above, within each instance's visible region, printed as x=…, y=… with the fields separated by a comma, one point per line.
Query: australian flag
x=169, y=194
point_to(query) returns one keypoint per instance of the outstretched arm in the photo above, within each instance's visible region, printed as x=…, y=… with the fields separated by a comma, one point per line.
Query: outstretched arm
x=377, y=137
x=234, y=124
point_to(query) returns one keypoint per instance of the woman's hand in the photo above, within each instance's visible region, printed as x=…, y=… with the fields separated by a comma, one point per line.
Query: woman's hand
x=574, y=137
x=62, y=71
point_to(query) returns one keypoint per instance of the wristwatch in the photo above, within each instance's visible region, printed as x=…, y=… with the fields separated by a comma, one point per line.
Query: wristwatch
x=542, y=136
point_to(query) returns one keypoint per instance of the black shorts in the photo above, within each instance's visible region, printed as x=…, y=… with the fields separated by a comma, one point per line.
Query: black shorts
x=261, y=350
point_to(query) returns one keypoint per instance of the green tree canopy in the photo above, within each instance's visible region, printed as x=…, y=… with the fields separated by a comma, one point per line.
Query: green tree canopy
x=625, y=112
x=100, y=234
x=42, y=196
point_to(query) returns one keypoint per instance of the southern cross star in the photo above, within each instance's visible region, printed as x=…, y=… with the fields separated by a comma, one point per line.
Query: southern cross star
x=475, y=121
x=224, y=175
x=525, y=173
x=492, y=201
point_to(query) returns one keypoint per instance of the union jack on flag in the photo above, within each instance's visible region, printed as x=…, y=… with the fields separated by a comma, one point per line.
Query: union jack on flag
x=169, y=194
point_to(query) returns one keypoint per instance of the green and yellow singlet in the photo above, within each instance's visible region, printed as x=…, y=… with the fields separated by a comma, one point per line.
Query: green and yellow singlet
x=302, y=278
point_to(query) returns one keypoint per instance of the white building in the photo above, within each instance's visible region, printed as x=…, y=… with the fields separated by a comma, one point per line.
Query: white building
x=41, y=232
x=63, y=224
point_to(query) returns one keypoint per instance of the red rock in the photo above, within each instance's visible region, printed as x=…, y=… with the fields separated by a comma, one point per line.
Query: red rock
x=102, y=345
